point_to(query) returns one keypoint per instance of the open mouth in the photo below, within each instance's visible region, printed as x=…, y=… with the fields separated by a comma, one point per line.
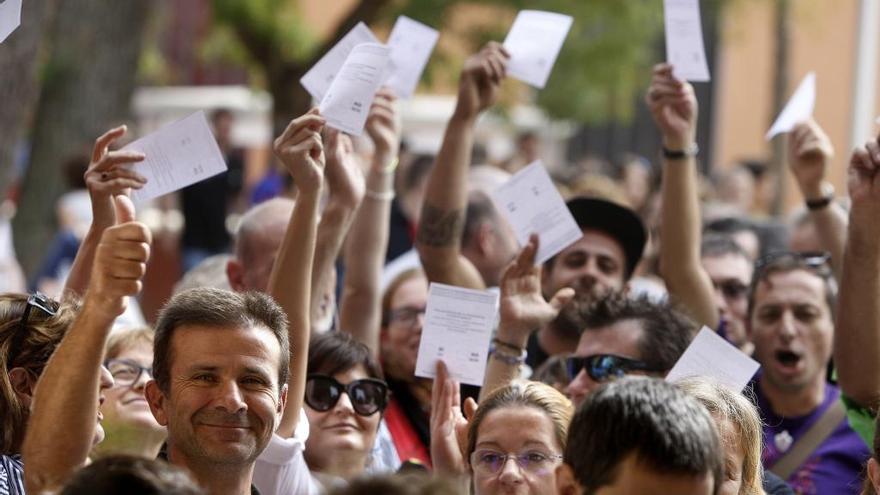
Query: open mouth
x=788, y=359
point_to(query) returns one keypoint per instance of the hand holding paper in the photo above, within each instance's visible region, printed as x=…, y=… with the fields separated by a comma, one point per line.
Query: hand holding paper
x=177, y=155
x=411, y=44
x=798, y=109
x=684, y=40
x=348, y=100
x=531, y=203
x=458, y=327
x=534, y=42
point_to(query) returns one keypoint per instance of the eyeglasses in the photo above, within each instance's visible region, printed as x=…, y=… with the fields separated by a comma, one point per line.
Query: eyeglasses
x=126, y=372
x=36, y=300
x=490, y=462
x=407, y=315
x=604, y=367
x=367, y=395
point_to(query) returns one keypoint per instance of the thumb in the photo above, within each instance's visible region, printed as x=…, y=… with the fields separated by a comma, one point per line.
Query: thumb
x=124, y=209
x=562, y=297
x=470, y=408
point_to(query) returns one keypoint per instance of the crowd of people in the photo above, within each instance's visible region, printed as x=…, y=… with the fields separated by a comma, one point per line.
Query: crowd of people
x=290, y=366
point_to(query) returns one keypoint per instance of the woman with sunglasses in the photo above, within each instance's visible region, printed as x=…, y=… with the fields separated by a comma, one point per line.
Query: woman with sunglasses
x=31, y=327
x=129, y=425
x=345, y=397
x=511, y=443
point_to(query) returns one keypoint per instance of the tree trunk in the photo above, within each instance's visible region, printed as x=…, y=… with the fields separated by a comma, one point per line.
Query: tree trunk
x=87, y=88
x=780, y=95
x=19, y=87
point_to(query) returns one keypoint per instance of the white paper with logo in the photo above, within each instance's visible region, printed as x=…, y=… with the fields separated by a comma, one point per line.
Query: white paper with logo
x=347, y=102
x=684, y=40
x=532, y=205
x=458, y=328
x=534, y=42
x=177, y=155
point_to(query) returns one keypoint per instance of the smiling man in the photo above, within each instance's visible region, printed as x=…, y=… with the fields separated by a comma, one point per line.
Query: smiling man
x=807, y=439
x=220, y=368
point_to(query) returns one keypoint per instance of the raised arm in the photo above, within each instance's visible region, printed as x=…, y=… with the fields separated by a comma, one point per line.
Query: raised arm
x=440, y=229
x=810, y=153
x=62, y=427
x=107, y=176
x=301, y=149
x=523, y=310
x=345, y=185
x=857, y=334
x=674, y=108
x=360, y=309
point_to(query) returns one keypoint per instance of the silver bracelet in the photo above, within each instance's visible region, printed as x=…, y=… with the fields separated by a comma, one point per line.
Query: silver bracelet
x=509, y=359
x=380, y=196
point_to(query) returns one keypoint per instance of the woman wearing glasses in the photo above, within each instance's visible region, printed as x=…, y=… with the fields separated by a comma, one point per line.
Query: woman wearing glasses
x=345, y=397
x=512, y=443
x=129, y=425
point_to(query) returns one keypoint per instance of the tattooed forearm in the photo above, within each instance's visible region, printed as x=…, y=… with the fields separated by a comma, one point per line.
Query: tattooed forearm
x=439, y=227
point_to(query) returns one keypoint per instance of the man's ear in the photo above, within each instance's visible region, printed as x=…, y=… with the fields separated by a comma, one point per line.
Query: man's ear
x=23, y=385
x=156, y=399
x=874, y=474
x=282, y=400
x=235, y=275
x=487, y=239
x=566, y=484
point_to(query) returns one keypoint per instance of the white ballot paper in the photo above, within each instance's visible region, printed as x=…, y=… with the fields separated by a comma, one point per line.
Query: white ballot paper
x=10, y=17
x=348, y=99
x=534, y=42
x=684, y=40
x=532, y=204
x=317, y=80
x=458, y=327
x=177, y=155
x=798, y=109
x=411, y=45
x=709, y=355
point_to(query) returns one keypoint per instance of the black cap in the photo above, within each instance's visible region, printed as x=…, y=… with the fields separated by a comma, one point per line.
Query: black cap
x=619, y=222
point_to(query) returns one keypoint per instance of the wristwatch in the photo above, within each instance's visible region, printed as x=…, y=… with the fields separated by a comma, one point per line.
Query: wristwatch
x=824, y=201
x=690, y=151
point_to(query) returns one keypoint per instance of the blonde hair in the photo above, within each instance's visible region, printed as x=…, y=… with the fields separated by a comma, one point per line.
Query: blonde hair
x=34, y=344
x=524, y=393
x=725, y=405
x=123, y=339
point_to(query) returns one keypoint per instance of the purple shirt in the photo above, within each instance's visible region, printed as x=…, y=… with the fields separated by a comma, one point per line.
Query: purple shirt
x=835, y=467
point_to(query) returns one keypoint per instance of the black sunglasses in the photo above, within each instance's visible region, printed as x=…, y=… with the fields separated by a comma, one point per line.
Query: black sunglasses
x=604, y=367
x=367, y=395
x=42, y=303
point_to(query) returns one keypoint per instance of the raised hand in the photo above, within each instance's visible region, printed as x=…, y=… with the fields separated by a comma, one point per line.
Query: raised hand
x=343, y=173
x=383, y=126
x=480, y=80
x=523, y=308
x=108, y=176
x=301, y=150
x=810, y=154
x=120, y=262
x=674, y=108
x=863, y=180
x=448, y=425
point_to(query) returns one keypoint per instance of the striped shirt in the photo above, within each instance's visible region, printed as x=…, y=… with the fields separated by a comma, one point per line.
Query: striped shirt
x=11, y=475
